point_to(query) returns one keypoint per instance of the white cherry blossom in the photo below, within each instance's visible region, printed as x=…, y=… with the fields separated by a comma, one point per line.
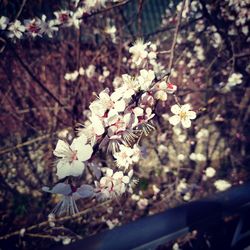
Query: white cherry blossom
x=72, y=156
x=127, y=156
x=145, y=79
x=234, y=79
x=106, y=102
x=130, y=82
x=210, y=172
x=113, y=184
x=48, y=27
x=4, y=21
x=33, y=27
x=222, y=185
x=63, y=17
x=182, y=114
x=162, y=89
x=16, y=30
x=138, y=51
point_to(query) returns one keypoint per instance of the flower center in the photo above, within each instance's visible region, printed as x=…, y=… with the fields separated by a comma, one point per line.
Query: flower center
x=74, y=156
x=183, y=115
x=33, y=28
x=64, y=17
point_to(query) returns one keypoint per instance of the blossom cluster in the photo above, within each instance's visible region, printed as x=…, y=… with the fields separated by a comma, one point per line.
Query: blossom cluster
x=37, y=27
x=116, y=122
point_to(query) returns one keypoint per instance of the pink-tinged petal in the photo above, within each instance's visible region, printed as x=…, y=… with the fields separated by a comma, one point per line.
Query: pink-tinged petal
x=84, y=152
x=118, y=175
x=186, y=123
x=103, y=181
x=174, y=120
x=138, y=111
x=175, y=109
x=78, y=142
x=62, y=149
x=63, y=169
x=171, y=88
x=77, y=168
x=191, y=114
x=185, y=107
x=148, y=111
x=125, y=179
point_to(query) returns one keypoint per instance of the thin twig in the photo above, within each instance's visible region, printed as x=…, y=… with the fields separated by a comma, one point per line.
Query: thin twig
x=40, y=84
x=45, y=223
x=20, y=10
x=172, y=50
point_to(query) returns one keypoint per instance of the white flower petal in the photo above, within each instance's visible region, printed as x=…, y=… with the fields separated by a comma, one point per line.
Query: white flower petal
x=186, y=123
x=174, y=120
x=63, y=169
x=62, y=149
x=125, y=179
x=76, y=168
x=191, y=114
x=120, y=106
x=78, y=142
x=109, y=172
x=118, y=175
x=130, y=173
x=175, y=109
x=115, y=96
x=185, y=107
x=104, y=97
x=84, y=152
x=138, y=111
x=99, y=129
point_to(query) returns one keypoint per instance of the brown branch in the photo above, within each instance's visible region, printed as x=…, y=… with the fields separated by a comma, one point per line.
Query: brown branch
x=107, y=9
x=26, y=143
x=20, y=10
x=172, y=50
x=39, y=83
x=45, y=223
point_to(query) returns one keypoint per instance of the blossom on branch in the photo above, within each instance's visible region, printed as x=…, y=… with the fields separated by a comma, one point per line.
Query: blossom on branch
x=72, y=156
x=16, y=30
x=113, y=184
x=162, y=89
x=182, y=114
x=4, y=21
x=127, y=156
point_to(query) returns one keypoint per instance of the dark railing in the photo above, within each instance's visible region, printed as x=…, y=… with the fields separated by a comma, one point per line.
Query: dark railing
x=202, y=215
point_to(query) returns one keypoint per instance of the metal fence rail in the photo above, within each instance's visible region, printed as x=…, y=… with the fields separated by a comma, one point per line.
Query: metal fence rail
x=150, y=232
